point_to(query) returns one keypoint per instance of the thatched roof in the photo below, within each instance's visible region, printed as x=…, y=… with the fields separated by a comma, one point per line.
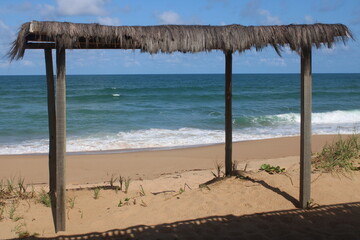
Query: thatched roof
x=172, y=38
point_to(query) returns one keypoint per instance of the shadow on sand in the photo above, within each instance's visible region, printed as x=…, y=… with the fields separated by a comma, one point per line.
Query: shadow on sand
x=341, y=221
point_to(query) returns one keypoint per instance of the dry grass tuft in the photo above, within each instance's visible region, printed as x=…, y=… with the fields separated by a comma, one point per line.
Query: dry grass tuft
x=178, y=38
x=342, y=155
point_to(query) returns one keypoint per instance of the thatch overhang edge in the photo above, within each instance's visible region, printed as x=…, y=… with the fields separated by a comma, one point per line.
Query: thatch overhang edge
x=173, y=38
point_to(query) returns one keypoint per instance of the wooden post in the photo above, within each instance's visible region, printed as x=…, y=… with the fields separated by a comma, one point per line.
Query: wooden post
x=305, y=144
x=60, y=139
x=52, y=128
x=228, y=113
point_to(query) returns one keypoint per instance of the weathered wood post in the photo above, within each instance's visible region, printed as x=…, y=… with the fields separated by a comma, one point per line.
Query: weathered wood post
x=52, y=127
x=228, y=113
x=305, y=143
x=60, y=139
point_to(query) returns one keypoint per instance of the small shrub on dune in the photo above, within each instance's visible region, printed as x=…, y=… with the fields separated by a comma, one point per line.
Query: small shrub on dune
x=272, y=169
x=127, y=184
x=96, y=192
x=44, y=198
x=341, y=155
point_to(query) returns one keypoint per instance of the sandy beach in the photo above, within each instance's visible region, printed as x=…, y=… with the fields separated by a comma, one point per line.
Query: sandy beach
x=164, y=200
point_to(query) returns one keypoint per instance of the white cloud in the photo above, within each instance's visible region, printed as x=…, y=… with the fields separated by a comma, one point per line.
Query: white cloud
x=6, y=37
x=309, y=19
x=3, y=26
x=174, y=59
x=4, y=64
x=169, y=17
x=47, y=11
x=329, y=5
x=267, y=18
x=25, y=6
x=252, y=10
x=74, y=8
x=81, y=7
x=286, y=50
x=334, y=49
x=27, y=63
x=131, y=62
x=212, y=3
x=108, y=21
x=356, y=15
x=279, y=62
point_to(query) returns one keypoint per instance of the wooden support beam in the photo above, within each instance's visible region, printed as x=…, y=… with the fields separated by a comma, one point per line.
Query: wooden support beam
x=40, y=45
x=60, y=139
x=228, y=113
x=306, y=109
x=52, y=128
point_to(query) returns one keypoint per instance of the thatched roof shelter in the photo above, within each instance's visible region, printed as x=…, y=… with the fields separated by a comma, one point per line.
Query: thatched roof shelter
x=168, y=39
x=172, y=38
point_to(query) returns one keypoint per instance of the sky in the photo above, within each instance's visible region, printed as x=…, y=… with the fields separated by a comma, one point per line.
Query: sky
x=340, y=59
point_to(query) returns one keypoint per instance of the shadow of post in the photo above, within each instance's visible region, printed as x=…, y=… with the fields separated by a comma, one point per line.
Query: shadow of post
x=287, y=196
x=339, y=221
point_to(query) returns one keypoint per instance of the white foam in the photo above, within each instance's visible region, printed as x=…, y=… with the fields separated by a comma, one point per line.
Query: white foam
x=344, y=122
x=116, y=95
x=154, y=138
x=334, y=117
x=337, y=117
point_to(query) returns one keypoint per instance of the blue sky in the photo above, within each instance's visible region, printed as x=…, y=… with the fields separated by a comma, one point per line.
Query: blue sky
x=341, y=58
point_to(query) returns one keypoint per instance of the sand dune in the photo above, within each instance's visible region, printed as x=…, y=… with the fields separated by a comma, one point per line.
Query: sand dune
x=262, y=206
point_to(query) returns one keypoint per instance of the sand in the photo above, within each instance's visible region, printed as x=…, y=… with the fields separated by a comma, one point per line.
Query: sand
x=263, y=206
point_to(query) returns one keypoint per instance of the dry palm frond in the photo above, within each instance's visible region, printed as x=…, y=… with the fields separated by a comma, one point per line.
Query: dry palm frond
x=182, y=38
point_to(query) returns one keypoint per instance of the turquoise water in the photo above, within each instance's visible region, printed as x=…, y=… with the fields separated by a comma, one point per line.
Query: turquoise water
x=107, y=112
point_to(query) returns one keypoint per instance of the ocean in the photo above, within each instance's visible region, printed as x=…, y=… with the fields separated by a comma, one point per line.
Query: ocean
x=131, y=112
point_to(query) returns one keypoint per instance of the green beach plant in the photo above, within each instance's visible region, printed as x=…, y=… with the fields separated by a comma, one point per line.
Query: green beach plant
x=12, y=210
x=23, y=233
x=44, y=198
x=234, y=166
x=26, y=234
x=10, y=185
x=311, y=204
x=32, y=194
x=81, y=213
x=127, y=184
x=2, y=189
x=204, y=186
x=342, y=155
x=17, y=218
x=121, y=181
x=71, y=202
x=142, y=192
x=271, y=169
x=21, y=185
x=112, y=180
x=219, y=173
x=18, y=229
x=126, y=202
x=2, y=210
x=12, y=190
x=96, y=193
